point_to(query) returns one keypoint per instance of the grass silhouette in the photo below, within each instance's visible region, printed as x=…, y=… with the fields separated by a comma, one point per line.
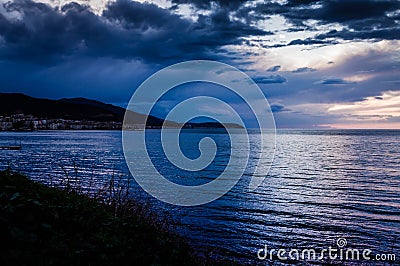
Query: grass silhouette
x=43, y=225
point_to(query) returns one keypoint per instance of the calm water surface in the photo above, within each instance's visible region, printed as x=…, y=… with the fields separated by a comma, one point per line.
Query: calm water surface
x=323, y=185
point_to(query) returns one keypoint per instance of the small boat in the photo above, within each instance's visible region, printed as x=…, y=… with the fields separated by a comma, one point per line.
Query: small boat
x=11, y=147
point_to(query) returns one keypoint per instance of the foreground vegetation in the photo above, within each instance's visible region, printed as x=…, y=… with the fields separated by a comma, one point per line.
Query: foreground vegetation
x=42, y=225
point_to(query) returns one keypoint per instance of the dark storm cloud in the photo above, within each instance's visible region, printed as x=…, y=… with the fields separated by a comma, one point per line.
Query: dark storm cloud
x=352, y=10
x=334, y=81
x=274, y=69
x=207, y=4
x=304, y=69
x=277, y=108
x=146, y=32
x=338, y=10
x=274, y=79
x=387, y=34
x=42, y=31
x=126, y=29
x=310, y=41
x=296, y=3
x=363, y=19
x=356, y=14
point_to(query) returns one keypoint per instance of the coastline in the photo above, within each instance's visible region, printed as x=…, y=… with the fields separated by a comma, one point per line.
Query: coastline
x=49, y=225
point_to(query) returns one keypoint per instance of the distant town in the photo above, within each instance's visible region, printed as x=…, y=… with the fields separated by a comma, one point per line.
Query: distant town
x=27, y=122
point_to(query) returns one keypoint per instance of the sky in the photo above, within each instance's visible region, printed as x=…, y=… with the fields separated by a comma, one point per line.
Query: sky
x=321, y=64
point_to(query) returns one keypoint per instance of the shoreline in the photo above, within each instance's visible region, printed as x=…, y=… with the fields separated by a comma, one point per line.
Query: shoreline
x=49, y=225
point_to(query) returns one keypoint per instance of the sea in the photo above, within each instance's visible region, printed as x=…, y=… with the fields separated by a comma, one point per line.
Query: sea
x=326, y=189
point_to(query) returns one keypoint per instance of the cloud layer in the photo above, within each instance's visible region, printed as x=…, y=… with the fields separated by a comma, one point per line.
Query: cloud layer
x=126, y=29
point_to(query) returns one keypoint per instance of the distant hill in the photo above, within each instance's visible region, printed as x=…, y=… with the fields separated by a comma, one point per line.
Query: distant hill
x=14, y=103
x=84, y=109
x=109, y=107
x=70, y=109
x=132, y=117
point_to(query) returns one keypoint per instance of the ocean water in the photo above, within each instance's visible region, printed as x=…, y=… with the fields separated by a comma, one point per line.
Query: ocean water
x=323, y=185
